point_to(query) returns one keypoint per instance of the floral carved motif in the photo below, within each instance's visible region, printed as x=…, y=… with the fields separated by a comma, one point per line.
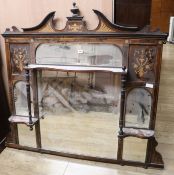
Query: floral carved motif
x=143, y=62
x=19, y=57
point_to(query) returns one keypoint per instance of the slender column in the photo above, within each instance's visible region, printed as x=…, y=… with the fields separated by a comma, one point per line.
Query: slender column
x=122, y=103
x=121, y=119
x=36, y=105
x=27, y=76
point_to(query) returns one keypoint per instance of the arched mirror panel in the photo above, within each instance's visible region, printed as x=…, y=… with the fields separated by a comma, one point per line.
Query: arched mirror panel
x=138, y=108
x=20, y=98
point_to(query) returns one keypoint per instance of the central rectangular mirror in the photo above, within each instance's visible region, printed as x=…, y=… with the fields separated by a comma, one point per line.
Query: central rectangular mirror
x=81, y=112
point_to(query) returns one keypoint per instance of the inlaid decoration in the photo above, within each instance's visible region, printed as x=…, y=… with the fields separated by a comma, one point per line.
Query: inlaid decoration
x=19, y=58
x=46, y=28
x=104, y=28
x=143, y=61
x=101, y=85
x=75, y=27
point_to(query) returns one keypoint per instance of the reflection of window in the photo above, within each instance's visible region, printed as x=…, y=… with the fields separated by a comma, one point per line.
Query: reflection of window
x=138, y=108
x=79, y=54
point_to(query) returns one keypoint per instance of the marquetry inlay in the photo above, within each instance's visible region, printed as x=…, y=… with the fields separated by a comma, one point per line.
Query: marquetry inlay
x=19, y=57
x=143, y=61
x=75, y=27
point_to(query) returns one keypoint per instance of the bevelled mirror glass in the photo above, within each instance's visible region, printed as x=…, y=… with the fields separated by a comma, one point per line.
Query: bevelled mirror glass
x=138, y=108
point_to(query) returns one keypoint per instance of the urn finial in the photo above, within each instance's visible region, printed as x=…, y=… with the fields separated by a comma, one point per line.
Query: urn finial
x=75, y=10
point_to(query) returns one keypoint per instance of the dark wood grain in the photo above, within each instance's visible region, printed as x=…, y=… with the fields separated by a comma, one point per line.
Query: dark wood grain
x=132, y=12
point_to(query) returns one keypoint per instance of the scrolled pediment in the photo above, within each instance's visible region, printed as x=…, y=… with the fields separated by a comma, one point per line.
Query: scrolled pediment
x=76, y=25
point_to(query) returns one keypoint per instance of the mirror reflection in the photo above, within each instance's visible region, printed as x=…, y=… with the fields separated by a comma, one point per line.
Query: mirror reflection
x=81, y=112
x=88, y=54
x=20, y=98
x=134, y=149
x=26, y=137
x=138, y=108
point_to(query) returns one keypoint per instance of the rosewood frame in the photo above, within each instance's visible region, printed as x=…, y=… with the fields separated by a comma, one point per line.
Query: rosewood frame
x=129, y=39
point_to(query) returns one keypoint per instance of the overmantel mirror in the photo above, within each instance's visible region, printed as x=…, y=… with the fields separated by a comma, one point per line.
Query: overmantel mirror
x=89, y=94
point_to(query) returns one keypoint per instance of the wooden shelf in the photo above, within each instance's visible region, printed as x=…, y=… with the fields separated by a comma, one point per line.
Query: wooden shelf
x=77, y=68
x=140, y=133
x=22, y=120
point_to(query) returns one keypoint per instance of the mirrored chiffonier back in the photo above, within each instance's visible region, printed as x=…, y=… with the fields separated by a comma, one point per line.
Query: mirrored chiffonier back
x=88, y=94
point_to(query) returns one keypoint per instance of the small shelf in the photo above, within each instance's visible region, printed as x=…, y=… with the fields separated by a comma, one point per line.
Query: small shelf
x=78, y=68
x=140, y=133
x=22, y=120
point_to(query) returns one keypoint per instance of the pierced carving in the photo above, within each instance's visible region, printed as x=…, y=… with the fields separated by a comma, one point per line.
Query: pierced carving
x=19, y=58
x=144, y=62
